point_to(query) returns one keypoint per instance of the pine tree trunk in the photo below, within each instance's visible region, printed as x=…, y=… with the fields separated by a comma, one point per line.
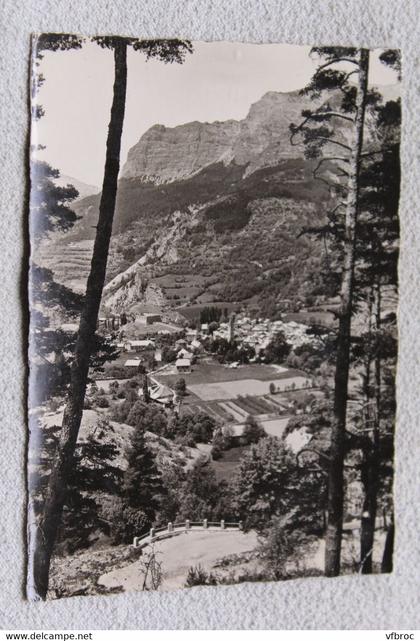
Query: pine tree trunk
x=387, y=558
x=46, y=531
x=367, y=532
x=337, y=451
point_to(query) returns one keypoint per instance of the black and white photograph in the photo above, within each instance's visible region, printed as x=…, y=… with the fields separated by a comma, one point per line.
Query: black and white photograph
x=213, y=333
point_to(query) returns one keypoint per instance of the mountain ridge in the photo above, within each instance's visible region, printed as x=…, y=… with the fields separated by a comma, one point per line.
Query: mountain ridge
x=200, y=144
x=199, y=201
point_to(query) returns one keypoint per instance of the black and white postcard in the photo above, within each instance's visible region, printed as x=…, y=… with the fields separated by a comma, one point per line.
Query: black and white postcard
x=213, y=292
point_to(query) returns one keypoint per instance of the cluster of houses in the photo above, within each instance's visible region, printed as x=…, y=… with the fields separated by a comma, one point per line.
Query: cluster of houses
x=116, y=321
x=186, y=349
x=258, y=333
x=245, y=330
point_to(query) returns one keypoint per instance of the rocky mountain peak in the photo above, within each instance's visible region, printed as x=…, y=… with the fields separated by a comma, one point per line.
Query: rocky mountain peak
x=164, y=154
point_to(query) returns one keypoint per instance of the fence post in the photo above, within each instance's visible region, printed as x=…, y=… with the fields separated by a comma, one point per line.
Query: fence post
x=170, y=527
x=187, y=524
x=205, y=523
x=241, y=525
x=136, y=542
x=152, y=532
x=222, y=524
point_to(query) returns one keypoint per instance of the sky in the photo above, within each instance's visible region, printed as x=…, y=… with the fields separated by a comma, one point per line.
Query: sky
x=219, y=81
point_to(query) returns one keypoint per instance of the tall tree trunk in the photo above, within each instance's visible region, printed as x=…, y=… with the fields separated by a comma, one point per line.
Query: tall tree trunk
x=46, y=530
x=370, y=504
x=387, y=558
x=337, y=451
x=367, y=531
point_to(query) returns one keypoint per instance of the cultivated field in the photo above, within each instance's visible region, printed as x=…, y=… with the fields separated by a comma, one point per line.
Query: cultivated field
x=276, y=426
x=252, y=387
x=70, y=263
x=210, y=371
x=325, y=318
x=192, y=312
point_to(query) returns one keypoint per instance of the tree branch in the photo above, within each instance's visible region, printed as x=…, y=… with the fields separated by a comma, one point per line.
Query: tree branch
x=334, y=142
x=334, y=62
x=312, y=449
x=332, y=211
x=330, y=114
x=325, y=159
x=313, y=230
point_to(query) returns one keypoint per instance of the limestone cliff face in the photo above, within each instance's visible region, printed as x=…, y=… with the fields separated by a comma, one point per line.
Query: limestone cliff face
x=165, y=154
x=132, y=289
x=264, y=135
x=262, y=139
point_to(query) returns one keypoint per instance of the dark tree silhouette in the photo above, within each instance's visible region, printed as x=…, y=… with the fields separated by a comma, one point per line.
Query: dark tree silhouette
x=344, y=157
x=49, y=205
x=142, y=484
x=46, y=528
x=376, y=269
x=320, y=135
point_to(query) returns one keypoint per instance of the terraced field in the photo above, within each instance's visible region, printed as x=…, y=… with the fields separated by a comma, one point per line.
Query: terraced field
x=70, y=263
x=182, y=288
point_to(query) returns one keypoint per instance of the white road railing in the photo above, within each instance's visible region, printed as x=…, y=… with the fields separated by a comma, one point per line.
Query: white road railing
x=173, y=529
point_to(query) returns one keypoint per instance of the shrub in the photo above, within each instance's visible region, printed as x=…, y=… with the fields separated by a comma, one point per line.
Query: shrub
x=117, y=371
x=101, y=401
x=180, y=387
x=199, y=576
x=186, y=440
x=216, y=452
x=278, y=349
x=128, y=522
x=120, y=411
x=114, y=386
x=281, y=550
x=136, y=413
x=218, y=444
x=253, y=431
x=270, y=483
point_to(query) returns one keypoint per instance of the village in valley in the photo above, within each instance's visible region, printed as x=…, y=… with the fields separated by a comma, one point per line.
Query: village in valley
x=229, y=391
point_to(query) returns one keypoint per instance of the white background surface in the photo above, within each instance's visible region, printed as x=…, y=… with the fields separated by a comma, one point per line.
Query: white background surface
x=345, y=603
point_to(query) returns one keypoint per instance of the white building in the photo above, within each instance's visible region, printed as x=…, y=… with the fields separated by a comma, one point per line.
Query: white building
x=133, y=363
x=138, y=346
x=183, y=365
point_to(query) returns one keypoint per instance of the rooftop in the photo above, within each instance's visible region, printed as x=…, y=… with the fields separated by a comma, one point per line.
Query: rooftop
x=183, y=362
x=132, y=362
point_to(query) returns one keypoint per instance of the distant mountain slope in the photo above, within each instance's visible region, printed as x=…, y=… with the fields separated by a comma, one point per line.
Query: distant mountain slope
x=204, y=200
x=212, y=212
x=83, y=188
